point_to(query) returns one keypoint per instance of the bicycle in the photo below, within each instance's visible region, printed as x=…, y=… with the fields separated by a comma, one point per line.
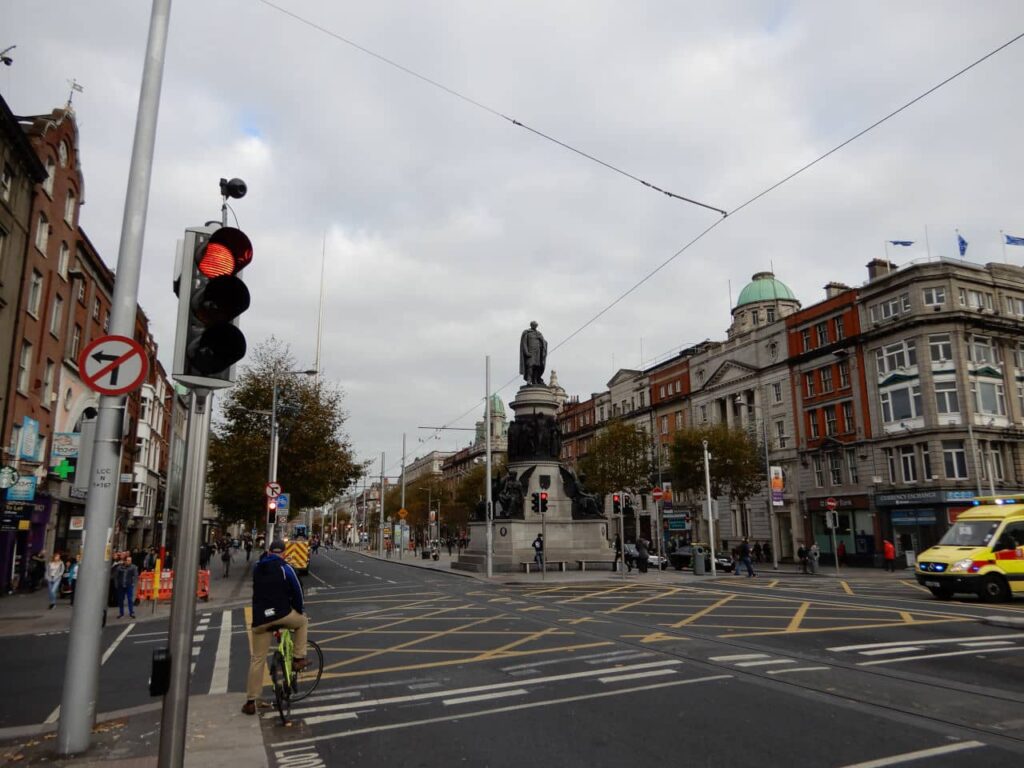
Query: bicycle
x=291, y=685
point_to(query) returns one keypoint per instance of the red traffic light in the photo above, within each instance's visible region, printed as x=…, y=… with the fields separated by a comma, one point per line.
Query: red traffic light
x=543, y=495
x=615, y=498
x=227, y=252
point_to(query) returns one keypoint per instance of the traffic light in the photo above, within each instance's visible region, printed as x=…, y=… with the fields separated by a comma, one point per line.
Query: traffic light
x=543, y=501
x=616, y=504
x=535, y=502
x=211, y=296
x=271, y=511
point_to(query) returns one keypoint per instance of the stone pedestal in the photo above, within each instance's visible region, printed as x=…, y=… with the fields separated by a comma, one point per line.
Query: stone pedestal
x=534, y=446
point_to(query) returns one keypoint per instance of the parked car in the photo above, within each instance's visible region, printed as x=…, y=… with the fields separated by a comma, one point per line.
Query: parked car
x=653, y=561
x=682, y=557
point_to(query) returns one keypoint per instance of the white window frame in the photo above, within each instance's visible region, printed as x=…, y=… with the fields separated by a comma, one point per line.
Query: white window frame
x=954, y=456
x=940, y=347
x=851, y=466
x=35, y=293
x=979, y=388
x=25, y=367
x=56, y=316
x=947, y=397
x=934, y=296
x=42, y=239
x=819, y=472
x=908, y=463
x=886, y=398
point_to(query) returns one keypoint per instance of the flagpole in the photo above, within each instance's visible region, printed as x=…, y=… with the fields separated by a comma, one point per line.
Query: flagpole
x=927, y=243
x=885, y=245
x=1002, y=237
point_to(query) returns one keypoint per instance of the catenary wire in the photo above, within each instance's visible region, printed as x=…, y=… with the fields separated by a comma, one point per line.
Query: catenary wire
x=479, y=105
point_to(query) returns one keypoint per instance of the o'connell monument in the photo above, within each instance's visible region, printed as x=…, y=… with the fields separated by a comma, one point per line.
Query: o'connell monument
x=574, y=526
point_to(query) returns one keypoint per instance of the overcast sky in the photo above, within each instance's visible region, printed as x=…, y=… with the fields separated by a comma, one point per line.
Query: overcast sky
x=448, y=229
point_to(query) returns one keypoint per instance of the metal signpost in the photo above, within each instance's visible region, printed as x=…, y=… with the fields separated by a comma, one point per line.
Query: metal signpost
x=833, y=523
x=711, y=514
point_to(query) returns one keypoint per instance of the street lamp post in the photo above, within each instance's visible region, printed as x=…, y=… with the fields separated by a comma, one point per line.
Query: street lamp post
x=772, y=522
x=272, y=469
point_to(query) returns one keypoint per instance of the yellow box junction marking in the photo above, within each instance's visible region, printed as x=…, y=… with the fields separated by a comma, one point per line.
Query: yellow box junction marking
x=846, y=587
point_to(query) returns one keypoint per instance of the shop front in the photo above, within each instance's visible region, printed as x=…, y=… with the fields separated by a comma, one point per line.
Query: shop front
x=856, y=535
x=916, y=520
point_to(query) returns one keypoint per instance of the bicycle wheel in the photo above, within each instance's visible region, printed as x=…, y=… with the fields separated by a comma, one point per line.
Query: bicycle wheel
x=305, y=682
x=282, y=699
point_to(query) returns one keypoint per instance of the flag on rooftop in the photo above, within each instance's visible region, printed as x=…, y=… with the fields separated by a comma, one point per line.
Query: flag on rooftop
x=1011, y=240
x=962, y=243
x=902, y=242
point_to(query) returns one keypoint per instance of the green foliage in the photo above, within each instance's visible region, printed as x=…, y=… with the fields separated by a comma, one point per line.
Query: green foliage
x=315, y=459
x=618, y=460
x=736, y=466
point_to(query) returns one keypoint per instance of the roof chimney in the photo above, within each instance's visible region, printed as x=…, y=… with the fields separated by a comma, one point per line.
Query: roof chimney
x=833, y=289
x=879, y=267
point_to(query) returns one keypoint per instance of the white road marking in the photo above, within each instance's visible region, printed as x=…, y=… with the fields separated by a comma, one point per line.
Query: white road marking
x=484, y=697
x=921, y=642
x=423, y=686
x=106, y=655
x=636, y=675
x=939, y=655
x=329, y=718
x=500, y=710
x=765, y=663
x=222, y=661
x=920, y=754
x=311, y=573
x=787, y=670
x=605, y=656
x=195, y=650
x=897, y=649
x=986, y=643
x=740, y=657
x=198, y=638
x=482, y=688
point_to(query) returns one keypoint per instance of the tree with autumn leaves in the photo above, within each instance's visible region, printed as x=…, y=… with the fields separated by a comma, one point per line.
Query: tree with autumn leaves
x=316, y=462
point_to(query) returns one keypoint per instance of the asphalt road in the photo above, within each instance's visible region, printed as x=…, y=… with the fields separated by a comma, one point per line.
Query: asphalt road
x=430, y=669
x=425, y=668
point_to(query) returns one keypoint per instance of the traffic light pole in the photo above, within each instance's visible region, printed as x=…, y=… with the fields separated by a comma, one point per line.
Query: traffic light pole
x=82, y=669
x=489, y=515
x=711, y=513
x=272, y=469
x=186, y=564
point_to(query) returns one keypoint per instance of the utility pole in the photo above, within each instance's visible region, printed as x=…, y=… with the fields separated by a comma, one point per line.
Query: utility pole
x=82, y=670
x=380, y=544
x=489, y=516
x=711, y=514
x=401, y=524
x=272, y=468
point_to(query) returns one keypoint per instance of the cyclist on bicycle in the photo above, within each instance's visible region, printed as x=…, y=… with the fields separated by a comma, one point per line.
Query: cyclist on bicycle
x=276, y=602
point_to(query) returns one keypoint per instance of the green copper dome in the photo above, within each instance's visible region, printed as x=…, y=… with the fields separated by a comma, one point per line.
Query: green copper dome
x=764, y=287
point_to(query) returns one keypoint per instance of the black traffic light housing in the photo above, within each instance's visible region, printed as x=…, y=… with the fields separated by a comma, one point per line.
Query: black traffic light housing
x=543, y=501
x=535, y=502
x=616, y=504
x=211, y=296
x=271, y=512
x=627, y=503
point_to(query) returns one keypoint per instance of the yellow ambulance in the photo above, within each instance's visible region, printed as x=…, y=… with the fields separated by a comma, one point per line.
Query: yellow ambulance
x=982, y=553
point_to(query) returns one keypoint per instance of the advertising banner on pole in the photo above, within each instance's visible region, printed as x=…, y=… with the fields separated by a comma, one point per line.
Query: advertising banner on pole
x=778, y=486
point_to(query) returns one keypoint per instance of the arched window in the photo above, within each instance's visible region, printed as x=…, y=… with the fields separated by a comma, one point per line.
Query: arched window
x=42, y=232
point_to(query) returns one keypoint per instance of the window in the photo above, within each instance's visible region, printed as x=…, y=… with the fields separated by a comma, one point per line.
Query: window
x=805, y=336
x=62, y=154
x=851, y=466
x=661, y=391
x=989, y=397
x=826, y=379
x=664, y=425
x=830, y=421
x=95, y=309
x=976, y=299
x=926, y=461
x=934, y=296
x=106, y=329
x=900, y=403
x=946, y=400
x=81, y=291
x=905, y=302
x=63, y=257
x=76, y=341
x=780, y=432
x=890, y=463
x=837, y=324
x=35, y=293
x=812, y=421
x=770, y=313
x=908, y=463
x=1020, y=397
x=24, y=367
x=889, y=308
x=47, y=384
x=835, y=468
x=821, y=329
x=601, y=413
x=809, y=384
x=56, y=316
x=643, y=399
x=704, y=414
x=819, y=473
x=844, y=375
x=6, y=182
x=891, y=357
x=1015, y=306
x=848, y=425
x=995, y=458
x=42, y=233
x=51, y=169
x=954, y=458
x=940, y=347
x=700, y=377
x=69, y=208
x=981, y=350
x=1018, y=355
x=679, y=420
x=755, y=316
x=777, y=392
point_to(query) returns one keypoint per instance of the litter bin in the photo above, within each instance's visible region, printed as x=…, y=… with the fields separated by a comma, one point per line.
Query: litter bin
x=425, y=554
x=698, y=560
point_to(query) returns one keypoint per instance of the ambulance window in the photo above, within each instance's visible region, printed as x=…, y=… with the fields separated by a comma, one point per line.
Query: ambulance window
x=970, y=533
x=1013, y=536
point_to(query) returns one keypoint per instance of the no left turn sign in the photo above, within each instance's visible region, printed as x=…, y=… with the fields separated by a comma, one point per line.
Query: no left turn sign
x=113, y=365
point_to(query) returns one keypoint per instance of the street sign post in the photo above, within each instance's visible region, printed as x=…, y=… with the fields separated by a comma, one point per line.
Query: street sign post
x=832, y=520
x=273, y=489
x=113, y=365
x=657, y=494
x=403, y=513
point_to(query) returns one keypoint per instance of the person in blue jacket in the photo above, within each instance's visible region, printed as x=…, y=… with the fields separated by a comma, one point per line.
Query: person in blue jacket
x=276, y=602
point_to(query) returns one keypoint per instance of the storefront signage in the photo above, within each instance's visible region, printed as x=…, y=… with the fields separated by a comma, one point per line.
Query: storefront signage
x=65, y=446
x=77, y=523
x=23, y=490
x=913, y=517
x=29, y=438
x=959, y=495
x=820, y=504
x=908, y=497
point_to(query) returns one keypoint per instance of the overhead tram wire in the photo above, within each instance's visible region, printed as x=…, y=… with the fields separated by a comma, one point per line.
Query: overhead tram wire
x=764, y=192
x=479, y=105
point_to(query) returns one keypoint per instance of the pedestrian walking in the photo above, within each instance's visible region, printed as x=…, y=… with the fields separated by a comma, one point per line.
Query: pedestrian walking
x=248, y=549
x=204, y=556
x=767, y=551
x=841, y=552
x=617, y=562
x=813, y=554
x=757, y=551
x=126, y=575
x=889, y=554
x=225, y=558
x=641, y=555
x=73, y=576
x=54, y=574
x=801, y=554
x=744, y=558
x=538, y=551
